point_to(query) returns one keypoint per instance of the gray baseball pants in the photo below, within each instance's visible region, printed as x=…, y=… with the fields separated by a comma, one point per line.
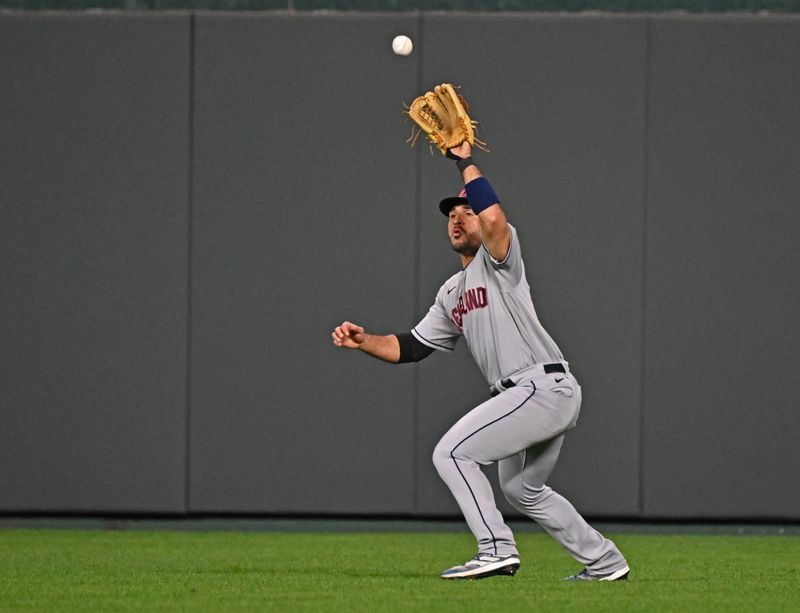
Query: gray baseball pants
x=521, y=429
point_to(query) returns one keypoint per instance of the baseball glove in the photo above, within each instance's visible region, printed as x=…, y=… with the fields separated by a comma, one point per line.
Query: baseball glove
x=442, y=115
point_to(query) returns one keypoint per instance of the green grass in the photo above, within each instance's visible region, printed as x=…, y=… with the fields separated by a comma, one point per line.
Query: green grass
x=63, y=570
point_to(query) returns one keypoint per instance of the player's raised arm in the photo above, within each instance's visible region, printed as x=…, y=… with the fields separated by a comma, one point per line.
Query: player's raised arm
x=483, y=201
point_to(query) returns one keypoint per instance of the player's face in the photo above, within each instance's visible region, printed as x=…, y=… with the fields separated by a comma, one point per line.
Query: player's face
x=464, y=230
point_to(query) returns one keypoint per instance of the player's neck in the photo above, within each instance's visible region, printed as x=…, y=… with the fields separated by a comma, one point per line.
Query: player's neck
x=465, y=260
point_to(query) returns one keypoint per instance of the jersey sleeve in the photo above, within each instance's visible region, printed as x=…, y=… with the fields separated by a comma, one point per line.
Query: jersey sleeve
x=511, y=269
x=436, y=329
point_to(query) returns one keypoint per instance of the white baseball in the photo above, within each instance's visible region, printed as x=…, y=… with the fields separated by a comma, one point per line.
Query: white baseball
x=402, y=45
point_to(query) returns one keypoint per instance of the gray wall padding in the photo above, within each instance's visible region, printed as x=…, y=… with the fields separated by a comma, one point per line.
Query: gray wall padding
x=566, y=140
x=190, y=203
x=304, y=215
x=94, y=122
x=722, y=408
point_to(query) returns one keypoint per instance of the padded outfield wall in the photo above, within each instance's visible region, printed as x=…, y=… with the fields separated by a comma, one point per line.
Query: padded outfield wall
x=190, y=201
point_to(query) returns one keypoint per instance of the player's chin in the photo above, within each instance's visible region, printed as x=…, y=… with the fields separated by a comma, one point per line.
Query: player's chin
x=464, y=247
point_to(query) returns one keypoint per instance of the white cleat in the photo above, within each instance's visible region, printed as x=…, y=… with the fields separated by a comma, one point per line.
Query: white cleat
x=585, y=575
x=483, y=565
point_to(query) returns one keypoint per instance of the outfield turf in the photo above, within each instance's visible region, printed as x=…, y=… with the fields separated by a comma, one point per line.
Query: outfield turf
x=72, y=570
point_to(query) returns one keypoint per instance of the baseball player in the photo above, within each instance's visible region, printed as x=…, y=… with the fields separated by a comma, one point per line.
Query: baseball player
x=534, y=399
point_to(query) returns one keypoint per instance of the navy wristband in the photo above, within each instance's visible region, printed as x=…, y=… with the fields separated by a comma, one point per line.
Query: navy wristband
x=480, y=194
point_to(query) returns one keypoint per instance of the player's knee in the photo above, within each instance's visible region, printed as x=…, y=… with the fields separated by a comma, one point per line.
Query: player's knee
x=532, y=498
x=524, y=498
x=444, y=455
x=513, y=494
x=441, y=456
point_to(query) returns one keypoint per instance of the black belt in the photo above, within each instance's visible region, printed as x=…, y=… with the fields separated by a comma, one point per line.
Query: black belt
x=548, y=368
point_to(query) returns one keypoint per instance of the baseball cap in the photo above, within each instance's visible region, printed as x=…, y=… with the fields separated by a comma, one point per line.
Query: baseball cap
x=446, y=205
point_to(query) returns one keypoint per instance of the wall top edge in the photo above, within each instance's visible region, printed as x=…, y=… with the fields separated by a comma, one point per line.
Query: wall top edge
x=506, y=14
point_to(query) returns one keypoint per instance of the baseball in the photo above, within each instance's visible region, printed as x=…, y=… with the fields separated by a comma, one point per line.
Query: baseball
x=402, y=45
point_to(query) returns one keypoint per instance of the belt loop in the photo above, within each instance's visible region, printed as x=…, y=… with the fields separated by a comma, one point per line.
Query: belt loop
x=501, y=386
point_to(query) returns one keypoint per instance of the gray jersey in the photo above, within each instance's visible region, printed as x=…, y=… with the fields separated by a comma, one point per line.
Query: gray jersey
x=489, y=303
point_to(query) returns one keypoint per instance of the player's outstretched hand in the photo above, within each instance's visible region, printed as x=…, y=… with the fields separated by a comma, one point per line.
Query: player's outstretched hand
x=348, y=335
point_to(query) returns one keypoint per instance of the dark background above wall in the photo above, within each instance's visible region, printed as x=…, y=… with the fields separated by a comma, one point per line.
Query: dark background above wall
x=614, y=6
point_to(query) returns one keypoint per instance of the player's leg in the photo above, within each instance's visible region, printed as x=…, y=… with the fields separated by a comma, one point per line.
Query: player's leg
x=523, y=477
x=495, y=429
x=461, y=472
